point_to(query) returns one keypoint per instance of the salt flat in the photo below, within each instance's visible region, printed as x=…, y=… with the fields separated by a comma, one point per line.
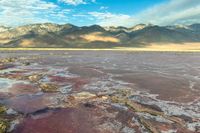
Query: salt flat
x=100, y=91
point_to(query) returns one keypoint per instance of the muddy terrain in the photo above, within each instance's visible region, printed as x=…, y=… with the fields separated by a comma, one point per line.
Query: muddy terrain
x=99, y=92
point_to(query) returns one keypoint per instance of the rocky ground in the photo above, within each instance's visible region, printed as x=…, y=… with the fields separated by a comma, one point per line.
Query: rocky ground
x=99, y=92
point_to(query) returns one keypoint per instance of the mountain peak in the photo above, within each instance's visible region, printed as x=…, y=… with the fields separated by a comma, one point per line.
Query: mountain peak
x=4, y=28
x=138, y=27
x=68, y=35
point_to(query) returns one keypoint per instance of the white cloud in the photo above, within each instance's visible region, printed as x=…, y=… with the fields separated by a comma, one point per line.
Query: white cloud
x=76, y=2
x=103, y=7
x=172, y=12
x=73, y=2
x=110, y=19
x=20, y=12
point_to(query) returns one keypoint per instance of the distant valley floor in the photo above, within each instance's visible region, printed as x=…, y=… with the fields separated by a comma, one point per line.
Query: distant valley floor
x=190, y=47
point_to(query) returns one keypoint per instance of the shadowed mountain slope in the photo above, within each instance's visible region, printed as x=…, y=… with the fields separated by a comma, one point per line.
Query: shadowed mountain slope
x=95, y=36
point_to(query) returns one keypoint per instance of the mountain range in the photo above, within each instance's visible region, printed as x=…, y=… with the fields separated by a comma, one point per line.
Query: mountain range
x=95, y=36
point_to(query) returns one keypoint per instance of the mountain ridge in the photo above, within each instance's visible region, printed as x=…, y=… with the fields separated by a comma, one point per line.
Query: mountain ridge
x=95, y=36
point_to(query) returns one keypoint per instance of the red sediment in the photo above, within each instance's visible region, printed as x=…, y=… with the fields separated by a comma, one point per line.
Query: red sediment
x=85, y=118
x=58, y=78
x=167, y=88
x=87, y=72
x=77, y=82
x=14, y=75
x=68, y=120
x=184, y=130
x=6, y=66
x=4, y=95
x=19, y=71
x=161, y=126
x=28, y=103
x=21, y=89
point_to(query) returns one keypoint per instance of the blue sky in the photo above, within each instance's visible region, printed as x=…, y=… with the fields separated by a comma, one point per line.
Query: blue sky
x=102, y=12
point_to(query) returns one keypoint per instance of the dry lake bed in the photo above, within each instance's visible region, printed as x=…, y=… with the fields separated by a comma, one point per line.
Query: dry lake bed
x=99, y=92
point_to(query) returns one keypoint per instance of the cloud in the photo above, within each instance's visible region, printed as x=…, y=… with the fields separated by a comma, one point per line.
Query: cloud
x=76, y=2
x=172, y=12
x=73, y=2
x=110, y=19
x=103, y=8
x=168, y=13
x=20, y=12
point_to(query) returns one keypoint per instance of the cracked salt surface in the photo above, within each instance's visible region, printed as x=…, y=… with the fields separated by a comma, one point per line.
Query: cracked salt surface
x=170, y=108
x=193, y=126
x=61, y=72
x=65, y=89
x=106, y=84
x=10, y=111
x=119, y=106
x=9, y=70
x=128, y=130
x=13, y=124
x=140, y=63
x=169, y=131
x=156, y=118
x=141, y=127
x=7, y=83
